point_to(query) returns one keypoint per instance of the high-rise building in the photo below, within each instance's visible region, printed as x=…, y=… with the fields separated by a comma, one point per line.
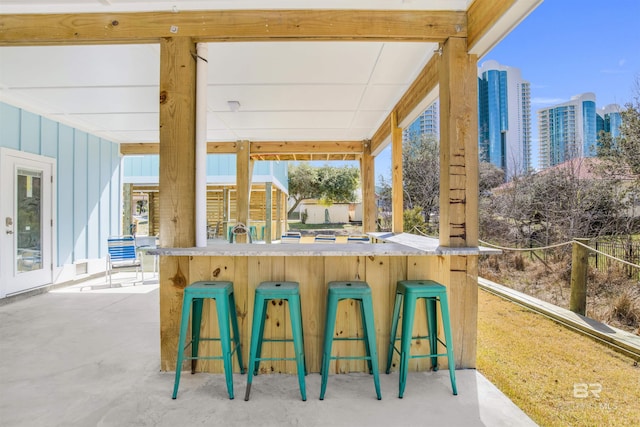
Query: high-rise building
x=427, y=123
x=609, y=120
x=504, y=118
x=568, y=130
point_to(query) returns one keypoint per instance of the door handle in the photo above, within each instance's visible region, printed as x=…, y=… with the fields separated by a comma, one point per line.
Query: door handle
x=9, y=231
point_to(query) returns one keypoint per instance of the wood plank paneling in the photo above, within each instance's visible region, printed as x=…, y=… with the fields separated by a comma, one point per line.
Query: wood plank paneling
x=313, y=275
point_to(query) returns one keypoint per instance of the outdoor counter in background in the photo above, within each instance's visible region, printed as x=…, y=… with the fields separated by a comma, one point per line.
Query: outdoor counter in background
x=313, y=265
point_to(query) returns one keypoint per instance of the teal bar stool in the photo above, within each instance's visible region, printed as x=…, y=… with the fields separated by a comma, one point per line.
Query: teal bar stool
x=194, y=295
x=265, y=292
x=359, y=291
x=431, y=292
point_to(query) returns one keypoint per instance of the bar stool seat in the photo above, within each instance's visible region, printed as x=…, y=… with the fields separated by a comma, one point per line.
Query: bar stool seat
x=194, y=295
x=265, y=292
x=432, y=292
x=359, y=291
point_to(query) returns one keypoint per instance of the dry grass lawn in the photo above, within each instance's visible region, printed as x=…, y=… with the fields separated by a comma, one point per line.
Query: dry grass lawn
x=557, y=376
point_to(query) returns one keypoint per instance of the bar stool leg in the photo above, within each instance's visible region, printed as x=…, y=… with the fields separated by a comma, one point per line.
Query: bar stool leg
x=258, y=315
x=365, y=335
x=408, y=314
x=236, y=331
x=196, y=318
x=370, y=340
x=263, y=316
x=432, y=319
x=296, y=329
x=444, y=307
x=225, y=343
x=329, y=327
x=186, y=307
x=394, y=330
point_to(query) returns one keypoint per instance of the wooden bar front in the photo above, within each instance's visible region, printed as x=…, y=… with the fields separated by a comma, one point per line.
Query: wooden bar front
x=313, y=266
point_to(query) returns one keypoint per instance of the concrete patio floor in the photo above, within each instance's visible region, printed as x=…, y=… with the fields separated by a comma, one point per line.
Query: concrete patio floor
x=86, y=355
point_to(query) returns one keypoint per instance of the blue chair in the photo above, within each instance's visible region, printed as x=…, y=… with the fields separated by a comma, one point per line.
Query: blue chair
x=265, y=292
x=359, y=291
x=291, y=237
x=194, y=295
x=324, y=238
x=122, y=253
x=358, y=238
x=410, y=291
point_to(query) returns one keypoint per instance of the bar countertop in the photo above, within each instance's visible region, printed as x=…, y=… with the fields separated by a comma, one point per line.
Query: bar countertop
x=402, y=244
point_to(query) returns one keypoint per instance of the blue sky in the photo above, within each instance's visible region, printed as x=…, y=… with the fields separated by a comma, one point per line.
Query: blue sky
x=566, y=48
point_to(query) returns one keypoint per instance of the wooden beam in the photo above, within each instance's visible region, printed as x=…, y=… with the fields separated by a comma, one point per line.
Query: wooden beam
x=269, y=212
x=306, y=147
x=426, y=81
x=397, y=192
x=232, y=25
x=268, y=150
x=138, y=148
x=458, y=146
x=482, y=16
x=177, y=142
x=177, y=177
x=459, y=192
x=243, y=187
x=367, y=178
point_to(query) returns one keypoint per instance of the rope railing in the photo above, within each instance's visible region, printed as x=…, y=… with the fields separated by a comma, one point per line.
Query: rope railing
x=541, y=248
x=558, y=245
x=525, y=249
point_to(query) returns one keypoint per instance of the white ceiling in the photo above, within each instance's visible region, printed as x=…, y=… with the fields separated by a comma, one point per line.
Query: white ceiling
x=286, y=90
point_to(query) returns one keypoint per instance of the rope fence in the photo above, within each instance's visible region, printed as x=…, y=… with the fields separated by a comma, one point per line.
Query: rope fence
x=562, y=244
x=542, y=248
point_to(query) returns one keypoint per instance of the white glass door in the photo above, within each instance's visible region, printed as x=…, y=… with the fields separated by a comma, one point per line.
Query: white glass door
x=27, y=227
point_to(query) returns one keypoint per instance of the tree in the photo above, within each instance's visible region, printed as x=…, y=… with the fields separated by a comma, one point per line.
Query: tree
x=630, y=131
x=490, y=177
x=421, y=174
x=327, y=183
x=303, y=183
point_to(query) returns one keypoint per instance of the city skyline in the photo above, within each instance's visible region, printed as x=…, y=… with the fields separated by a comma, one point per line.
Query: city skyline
x=567, y=48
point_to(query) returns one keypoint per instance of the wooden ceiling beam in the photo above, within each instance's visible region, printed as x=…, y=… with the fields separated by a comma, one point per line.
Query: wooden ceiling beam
x=232, y=25
x=269, y=150
x=306, y=147
x=482, y=16
x=426, y=81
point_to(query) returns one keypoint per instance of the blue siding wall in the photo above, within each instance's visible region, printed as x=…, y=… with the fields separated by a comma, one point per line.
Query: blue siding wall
x=88, y=180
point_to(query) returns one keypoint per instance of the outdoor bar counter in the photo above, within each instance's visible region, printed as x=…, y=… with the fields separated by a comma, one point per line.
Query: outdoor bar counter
x=381, y=264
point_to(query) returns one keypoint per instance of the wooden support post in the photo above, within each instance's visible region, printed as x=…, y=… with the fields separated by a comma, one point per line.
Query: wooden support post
x=367, y=177
x=285, y=212
x=279, y=212
x=127, y=218
x=459, y=191
x=397, y=192
x=151, y=214
x=579, y=270
x=177, y=181
x=243, y=186
x=225, y=212
x=269, y=213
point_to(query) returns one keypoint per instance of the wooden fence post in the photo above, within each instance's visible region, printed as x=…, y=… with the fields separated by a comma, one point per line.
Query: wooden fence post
x=579, y=268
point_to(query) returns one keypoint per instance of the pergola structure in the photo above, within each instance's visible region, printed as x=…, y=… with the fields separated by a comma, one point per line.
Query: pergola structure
x=463, y=30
